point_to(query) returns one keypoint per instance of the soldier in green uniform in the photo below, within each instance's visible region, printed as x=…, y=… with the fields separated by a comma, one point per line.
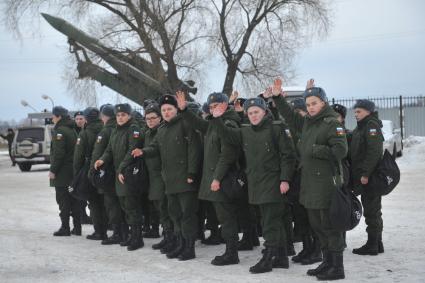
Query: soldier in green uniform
x=180, y=150
x=82, y=155
x=365, y=154
x=112, y=206
x=322, y=146
x=270, y=161
x=122, y=141
x=64, y=138
x=219, y=157
x=156, y=184
x=9, y=137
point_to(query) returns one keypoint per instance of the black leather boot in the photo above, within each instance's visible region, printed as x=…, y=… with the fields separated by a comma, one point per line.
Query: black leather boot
x=136, y=238
x=188, y=251
x=230, y=256
x=371, y=246
x=336, y=271
x=265, y=263
x=178, y=248
x=162, y=243
x=125, y=238
x=307, y=243
x=325, y=265
x=380, y=243
x=315, y=254
x=280, y=260
x=115, y=237
x=99, y=233
x=254, y=236
x=170, y=245
x=153, y=232
x=76, y=230
x=63, y=231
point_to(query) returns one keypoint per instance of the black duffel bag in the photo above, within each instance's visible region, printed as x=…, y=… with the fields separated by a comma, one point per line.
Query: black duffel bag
x=234, y=184
x=345, y=211
x=81, y=187
x=103, y=178
x=385, y=177
x=136, y=176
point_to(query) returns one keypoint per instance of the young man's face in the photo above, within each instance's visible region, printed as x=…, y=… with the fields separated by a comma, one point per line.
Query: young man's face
x=80, y=121
x=122, y=118
x=56, y=119
x=104, y=118
x=314, y=105
x=255, y=115
x=168, y=112
x=360, y=113
x=152, y=120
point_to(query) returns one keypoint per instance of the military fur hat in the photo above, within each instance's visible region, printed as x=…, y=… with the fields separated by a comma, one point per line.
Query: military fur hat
x=168, y=99
x=91, y=114
x=365, y=104
x=315, y=91
x=59, y=111
x=125, y=107
x=240, y=100
x=299, y=103
x=256, y=101
x=78, y=113
x=107, y=110
x=340, y=109
x=152, y=108
x=217, y=97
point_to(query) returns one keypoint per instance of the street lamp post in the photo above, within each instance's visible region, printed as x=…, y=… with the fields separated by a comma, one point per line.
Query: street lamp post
x=45, y=96
x=26, y=104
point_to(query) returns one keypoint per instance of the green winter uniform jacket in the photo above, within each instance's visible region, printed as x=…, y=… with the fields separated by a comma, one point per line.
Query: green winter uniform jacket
x=366, y=147
x=181, y=155
x=322, y=146
x=156, y=184
x=269, y=156
x=64, y=138
x=219, y=155
x=100, y=146
x=85, y=144
x=118, y=152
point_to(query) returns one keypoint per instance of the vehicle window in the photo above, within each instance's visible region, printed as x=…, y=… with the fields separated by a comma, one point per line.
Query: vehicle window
x=35, y=134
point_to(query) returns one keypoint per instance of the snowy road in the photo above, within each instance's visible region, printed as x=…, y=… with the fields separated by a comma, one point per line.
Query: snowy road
x=29, y=252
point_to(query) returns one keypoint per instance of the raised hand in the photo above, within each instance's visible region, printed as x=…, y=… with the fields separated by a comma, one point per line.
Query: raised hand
x=181, y=100
x=277, y=86
x=268, y=92
x=310, y=84
x=98, y=164
x=137, y=152
x=284, y=187
x=234, y=96
x=219, y=110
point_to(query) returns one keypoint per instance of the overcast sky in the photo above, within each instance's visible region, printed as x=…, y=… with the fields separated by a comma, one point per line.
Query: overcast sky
x=375, y=48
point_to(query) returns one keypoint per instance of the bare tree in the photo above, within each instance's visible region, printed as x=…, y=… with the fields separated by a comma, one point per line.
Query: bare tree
x=258, y=39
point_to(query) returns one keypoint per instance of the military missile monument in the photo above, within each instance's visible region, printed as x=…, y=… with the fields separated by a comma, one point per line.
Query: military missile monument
x=135, y=77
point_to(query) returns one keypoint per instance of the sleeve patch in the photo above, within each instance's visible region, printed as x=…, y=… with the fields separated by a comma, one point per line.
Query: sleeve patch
x=59, y=137
x=136, y=134
x=340, y=131
x=373, y=132
x=99, y=139
x=78, y=141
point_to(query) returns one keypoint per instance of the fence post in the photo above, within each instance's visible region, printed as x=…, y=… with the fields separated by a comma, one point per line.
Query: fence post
x=401, y=117
x=333, y=100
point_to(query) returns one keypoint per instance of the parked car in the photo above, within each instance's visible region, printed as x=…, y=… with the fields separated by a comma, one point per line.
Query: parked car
x=392, y=138
x=31, y=145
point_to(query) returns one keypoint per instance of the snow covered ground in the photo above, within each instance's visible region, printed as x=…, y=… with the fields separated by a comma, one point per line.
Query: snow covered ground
x=29, y=252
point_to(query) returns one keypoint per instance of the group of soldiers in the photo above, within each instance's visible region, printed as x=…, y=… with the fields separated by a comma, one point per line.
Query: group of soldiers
x=290, y=151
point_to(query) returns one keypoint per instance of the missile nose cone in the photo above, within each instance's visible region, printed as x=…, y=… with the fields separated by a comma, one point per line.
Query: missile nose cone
x=53, y=21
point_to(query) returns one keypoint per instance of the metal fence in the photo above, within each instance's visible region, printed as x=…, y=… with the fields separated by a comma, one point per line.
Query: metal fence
x=406, y=112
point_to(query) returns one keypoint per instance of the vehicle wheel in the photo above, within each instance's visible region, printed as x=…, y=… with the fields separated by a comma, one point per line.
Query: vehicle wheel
x=394, y=150
x=25, y=167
